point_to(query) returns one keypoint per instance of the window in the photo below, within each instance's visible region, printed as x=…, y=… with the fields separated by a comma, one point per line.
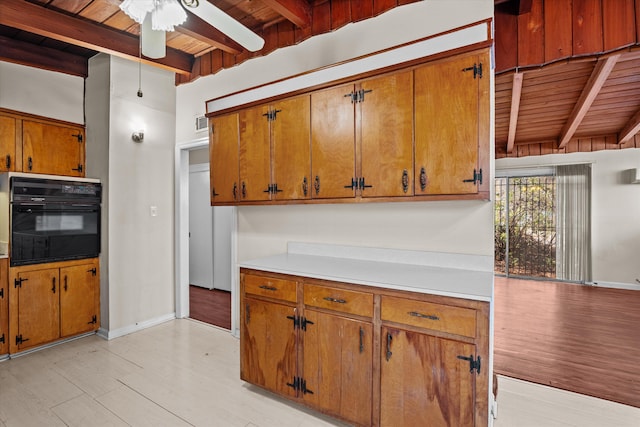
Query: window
x=542, y=223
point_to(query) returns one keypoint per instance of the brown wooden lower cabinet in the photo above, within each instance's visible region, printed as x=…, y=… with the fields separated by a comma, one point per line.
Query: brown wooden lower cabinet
x=4, y=307
x=51, y=301
x=367, y=355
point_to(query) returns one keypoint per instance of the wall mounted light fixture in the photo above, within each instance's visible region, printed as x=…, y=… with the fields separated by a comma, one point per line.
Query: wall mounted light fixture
x=137, y=136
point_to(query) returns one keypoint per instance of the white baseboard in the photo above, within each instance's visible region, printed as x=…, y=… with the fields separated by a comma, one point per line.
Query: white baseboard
x=616, y=285
x=109, y=335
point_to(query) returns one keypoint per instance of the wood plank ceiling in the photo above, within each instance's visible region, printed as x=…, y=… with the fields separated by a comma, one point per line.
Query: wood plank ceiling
x=567, y=71
x=567, y=76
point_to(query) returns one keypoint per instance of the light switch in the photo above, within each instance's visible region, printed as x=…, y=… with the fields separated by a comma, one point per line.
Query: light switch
x=153, y=210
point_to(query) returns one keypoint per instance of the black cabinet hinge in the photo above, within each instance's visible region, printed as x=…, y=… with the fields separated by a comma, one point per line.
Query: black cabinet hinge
x=18, y=282
x=93, y=271
x=2, y=293
x=78, y=136
x=300, y=384
x=2, y=339
x=300, y=322
x=477, y=177
x=93, y=321
x=20, y=340
x=477, y=70
x=474, y=364
x=78, y=169
x=271, y=115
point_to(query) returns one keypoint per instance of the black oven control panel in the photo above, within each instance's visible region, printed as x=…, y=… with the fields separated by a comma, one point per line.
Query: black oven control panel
x=40, y=190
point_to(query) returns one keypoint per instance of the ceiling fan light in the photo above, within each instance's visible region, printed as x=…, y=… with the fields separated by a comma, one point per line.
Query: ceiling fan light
x=153, y=42
x=167, y=14
x=137, y=9
x=223, y=22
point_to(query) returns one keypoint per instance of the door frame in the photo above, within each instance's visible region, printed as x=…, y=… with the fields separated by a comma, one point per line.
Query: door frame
x=181, y=231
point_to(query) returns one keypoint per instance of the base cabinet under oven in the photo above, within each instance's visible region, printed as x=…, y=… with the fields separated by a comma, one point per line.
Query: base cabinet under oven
x=52, y=301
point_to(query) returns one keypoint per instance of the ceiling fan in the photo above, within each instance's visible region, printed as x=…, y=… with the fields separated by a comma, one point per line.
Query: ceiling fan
x=156, y=17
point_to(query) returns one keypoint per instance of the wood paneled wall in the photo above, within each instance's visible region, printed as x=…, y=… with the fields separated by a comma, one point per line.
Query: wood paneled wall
x=327, y=16
x=559, y=29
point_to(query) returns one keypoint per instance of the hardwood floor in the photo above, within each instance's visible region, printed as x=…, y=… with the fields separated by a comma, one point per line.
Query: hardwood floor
x=579, y=338
x=210, y=306
x=186, y=373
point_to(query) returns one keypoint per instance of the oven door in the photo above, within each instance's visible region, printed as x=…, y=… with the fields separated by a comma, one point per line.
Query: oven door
x=54, y=232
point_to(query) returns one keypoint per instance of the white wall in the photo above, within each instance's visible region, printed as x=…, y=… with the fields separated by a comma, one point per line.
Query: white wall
x=615, y=210
x=44, y=93
x=139, y=176
x=462, y=227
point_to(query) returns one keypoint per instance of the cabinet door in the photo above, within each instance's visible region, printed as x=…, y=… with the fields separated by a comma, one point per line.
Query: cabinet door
x=38, y=305
x=386, y=127
x=422, y=378
x=333, y=142
x=79, y=296
x=268, y=345
x=255, y=154
x=223, y=158
x=446, y=126
x=338, y=366
x=291, y=144
x=4, y=308
x=52, y=149
x=7, y=143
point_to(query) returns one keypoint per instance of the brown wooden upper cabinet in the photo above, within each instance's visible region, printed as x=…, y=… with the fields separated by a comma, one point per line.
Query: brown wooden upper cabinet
x=449, y=104
x=52, y=149
x=8, y=128
x=362, y=141
x=418, y=131
x=223, y=158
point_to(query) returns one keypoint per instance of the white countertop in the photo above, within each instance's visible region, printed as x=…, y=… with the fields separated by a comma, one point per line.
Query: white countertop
x=475, y=284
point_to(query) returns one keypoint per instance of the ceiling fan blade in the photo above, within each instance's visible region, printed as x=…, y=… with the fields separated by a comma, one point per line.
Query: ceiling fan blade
x=226, y=24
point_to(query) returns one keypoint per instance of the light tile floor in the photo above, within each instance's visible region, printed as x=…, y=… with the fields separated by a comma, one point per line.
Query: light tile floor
x=185, y=373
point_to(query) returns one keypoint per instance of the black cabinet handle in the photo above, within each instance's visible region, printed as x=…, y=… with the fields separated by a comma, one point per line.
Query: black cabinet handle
x=405, y=181
x=317, y=184
x=8, y=161
x=423, y=179
x=389, y=353
x=305, y=186
x=268, y=288
x=423, y=316
x=339, y=301
x=235, y=191
x=65, y=283
x=30, y=163
x=361, y=339
x=53, y=288
x=244, y=190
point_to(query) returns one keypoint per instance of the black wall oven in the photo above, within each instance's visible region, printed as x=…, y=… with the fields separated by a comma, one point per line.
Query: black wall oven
x=53, y=220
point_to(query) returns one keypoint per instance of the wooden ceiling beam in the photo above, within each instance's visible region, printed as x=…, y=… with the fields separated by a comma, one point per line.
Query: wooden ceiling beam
x=201, y=30
x=597, y=79
x=516, y=94
x=630, y=129
x=297, y=11
x=39, y=20
x=24, y=53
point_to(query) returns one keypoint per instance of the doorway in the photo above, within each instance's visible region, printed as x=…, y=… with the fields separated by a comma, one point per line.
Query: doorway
x=224, y=278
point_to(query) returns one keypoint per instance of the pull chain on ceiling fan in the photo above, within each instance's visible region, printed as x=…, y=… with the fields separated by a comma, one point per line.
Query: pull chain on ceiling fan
x=158, y=16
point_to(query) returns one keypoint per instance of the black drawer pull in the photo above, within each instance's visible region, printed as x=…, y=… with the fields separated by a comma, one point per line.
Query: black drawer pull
x=268, y=288
x=339, y=301
x=423, y=316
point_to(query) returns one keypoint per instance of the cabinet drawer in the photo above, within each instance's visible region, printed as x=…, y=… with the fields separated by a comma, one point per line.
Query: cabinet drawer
x=354, y=302
x=445, y=318
x=270, y=287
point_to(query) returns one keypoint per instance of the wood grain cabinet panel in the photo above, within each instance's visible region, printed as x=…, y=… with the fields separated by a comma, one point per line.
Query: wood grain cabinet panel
x=386, y=135
x=333, y=142
x=224, y=158
x=268, y=345
x=270, y=287
x=52, y=149
x=343, y=300
x=7, y=143
x=79, y=299
x=338, y=368
x=4, y=307
x=447, y=125
x=255, y=154
x=424, y=382
x=35, y=308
